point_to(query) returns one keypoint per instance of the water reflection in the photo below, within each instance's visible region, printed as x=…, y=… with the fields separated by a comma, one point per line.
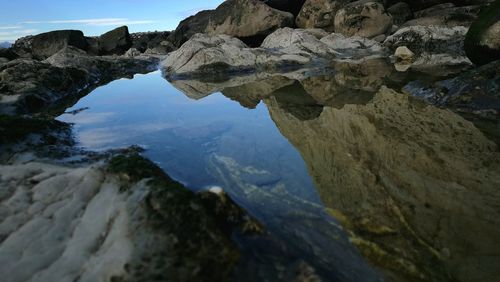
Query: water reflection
x=333, y=162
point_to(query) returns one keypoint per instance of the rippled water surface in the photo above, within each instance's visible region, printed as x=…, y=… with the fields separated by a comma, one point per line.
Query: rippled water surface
x=361, y=184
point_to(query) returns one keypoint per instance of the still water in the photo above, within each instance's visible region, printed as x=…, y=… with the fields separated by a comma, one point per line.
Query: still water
x=362, y=184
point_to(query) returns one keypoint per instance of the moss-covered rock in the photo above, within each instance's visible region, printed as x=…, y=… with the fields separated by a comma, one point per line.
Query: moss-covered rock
x=482, y=42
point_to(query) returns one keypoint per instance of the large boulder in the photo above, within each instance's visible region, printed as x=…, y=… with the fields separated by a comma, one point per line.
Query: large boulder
x=482, y=42
x=249, y=20
x=363, y=18
x=47, y=44
x=116, y=41
x=432, y=46
x=400, y=12
x=148, y=40
x=291, y=6
x=319, y=14
x=417, y=5
x=446, y=14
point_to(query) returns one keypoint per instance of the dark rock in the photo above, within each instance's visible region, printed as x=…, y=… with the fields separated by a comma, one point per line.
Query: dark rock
x=476, y=91
x=445, y=15
x=47, y=44
x=400, y=12
x=482, y=42
x=417, y=5
x=291, y=6
x=116, y=41
x=189, y=27
x=146, y=40
x=31, y=86
x=8, y=54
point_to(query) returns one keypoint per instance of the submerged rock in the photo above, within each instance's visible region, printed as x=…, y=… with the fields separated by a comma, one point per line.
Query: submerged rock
x=482, y=42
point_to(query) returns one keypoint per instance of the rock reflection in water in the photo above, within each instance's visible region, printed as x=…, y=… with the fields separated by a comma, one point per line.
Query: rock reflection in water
x=414, y=186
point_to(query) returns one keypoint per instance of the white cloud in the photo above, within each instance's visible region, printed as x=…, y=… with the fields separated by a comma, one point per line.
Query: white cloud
x=15, y=34
x=10, y=27
x=99, y=22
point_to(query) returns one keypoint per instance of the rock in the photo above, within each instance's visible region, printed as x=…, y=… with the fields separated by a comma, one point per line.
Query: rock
x=474, y=91
x=47, y=44
x=419, y=5
x=116, y=41
x=291, y=6
x=132, y=52
x=146, y=40
x=400, y=12
x=362, y=18
x=114, y=224
x=249, y=20
x=189, y=27
x=403, y=55
x=354, y=47
x=482, y=42
x=163, y=48
x=297, y=41
x=8, y=54
x=402, y=210
x=319, y=14
x=31, y=86
x=445, y=15
x=429, y=39
x=224, y=55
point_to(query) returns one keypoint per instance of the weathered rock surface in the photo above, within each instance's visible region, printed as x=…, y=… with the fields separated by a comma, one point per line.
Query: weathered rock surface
x=47, y=44
x=249, y=20
x=482, y=42
x=473, y=92
x=29, y=86
x=319, y=14
x=107, y=222
x=402, y=177
x=445, y=15
x=432, y=45
x=146, y=40
x=363, y=18
x=116, y=41
x=283, y=49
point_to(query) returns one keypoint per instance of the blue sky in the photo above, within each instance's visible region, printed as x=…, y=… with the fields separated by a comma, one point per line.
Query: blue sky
x=20, y=17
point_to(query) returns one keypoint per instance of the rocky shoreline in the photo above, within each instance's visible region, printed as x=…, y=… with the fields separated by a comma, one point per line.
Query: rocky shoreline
x=54, y=195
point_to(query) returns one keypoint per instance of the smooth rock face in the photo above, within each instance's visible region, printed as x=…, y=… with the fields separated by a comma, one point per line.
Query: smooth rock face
x=116, y=41
x=354, y=46
x=47, y=44
x=362, y=18
x=482, y=42
x=319, y=14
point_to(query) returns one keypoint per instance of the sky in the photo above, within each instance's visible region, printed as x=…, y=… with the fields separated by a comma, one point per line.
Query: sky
x=19, y=18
